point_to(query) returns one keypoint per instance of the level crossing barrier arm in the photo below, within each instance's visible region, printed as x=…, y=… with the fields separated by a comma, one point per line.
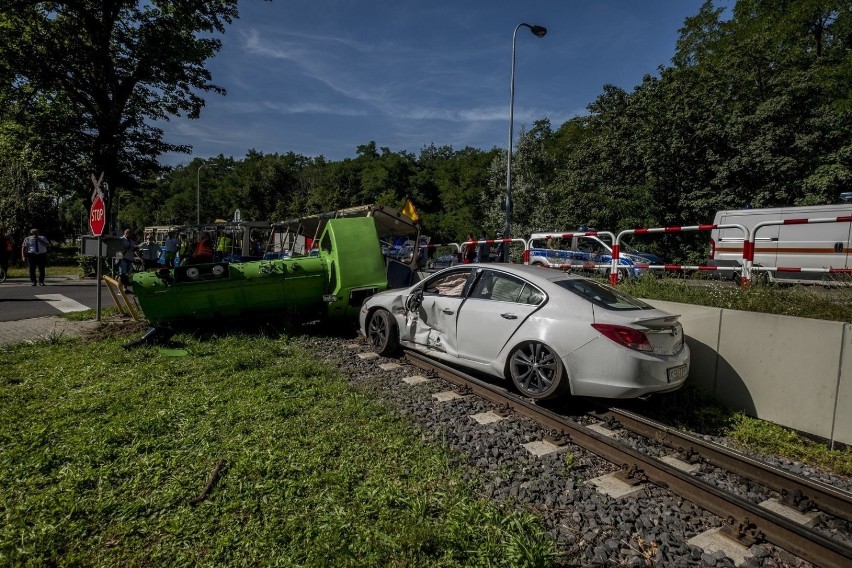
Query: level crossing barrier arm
x=491, y=242
x=747, y=245
x=753, y=240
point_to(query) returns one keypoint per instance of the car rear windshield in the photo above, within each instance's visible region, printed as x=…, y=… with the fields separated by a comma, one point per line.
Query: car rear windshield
x=603, y=296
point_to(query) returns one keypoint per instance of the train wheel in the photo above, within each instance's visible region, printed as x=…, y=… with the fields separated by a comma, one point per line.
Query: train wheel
x=383, y=333
x=536, y=371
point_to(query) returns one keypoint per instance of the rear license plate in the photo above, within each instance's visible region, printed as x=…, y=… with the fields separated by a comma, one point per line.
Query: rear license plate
x=677, y=374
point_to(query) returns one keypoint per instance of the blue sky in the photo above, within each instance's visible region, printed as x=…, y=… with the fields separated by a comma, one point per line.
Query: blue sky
x=325, y=76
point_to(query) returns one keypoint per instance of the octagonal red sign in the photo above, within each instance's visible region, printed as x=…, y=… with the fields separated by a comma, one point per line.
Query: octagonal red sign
x=97, y=217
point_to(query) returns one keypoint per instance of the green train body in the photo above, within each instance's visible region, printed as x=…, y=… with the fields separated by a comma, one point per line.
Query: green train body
x=349, y=268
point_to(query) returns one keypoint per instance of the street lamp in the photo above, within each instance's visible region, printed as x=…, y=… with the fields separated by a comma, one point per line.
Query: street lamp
x=537, y=31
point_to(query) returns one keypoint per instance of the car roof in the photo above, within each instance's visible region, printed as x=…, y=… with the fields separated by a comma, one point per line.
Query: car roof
x=538, y=275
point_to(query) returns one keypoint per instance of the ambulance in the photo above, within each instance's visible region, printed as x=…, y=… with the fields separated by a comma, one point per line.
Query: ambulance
x=788, y=248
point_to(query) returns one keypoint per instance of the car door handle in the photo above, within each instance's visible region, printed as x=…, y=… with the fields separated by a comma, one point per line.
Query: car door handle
x=509, y=316
x=448, y=311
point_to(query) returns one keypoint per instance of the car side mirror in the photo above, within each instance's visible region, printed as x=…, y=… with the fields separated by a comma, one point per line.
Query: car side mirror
x=414, y=300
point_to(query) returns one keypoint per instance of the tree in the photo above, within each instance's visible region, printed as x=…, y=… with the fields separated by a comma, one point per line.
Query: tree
x=87, y=76
x=26, y=203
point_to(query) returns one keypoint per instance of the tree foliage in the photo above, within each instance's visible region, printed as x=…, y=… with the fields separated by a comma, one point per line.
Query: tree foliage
x=88, y=78
x=755, y=109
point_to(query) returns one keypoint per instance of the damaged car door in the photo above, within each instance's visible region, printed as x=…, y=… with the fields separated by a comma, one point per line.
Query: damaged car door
x=432, y=310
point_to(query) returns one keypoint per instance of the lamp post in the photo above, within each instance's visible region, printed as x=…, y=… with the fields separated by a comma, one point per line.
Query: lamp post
x=537, y=31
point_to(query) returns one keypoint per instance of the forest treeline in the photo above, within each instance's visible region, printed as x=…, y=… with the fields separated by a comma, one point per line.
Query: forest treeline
x=754, y=110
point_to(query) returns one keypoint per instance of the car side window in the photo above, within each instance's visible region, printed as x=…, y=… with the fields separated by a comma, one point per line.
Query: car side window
x=499, y=287
x=450, y=285
x=531, y=295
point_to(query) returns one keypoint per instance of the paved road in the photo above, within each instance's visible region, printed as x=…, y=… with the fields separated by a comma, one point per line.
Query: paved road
x=19, y=300
x=31, y=312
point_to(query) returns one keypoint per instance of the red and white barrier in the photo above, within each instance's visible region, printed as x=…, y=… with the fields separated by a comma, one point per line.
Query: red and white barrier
x=748, y=250
x=613, y=276
x=490, y=242
x=563, y=236
x=434, y=246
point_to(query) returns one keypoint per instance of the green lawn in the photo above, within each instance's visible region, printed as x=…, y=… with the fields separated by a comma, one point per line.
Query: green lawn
x=102, y=451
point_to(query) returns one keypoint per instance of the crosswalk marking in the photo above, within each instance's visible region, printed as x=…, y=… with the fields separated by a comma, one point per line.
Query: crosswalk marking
x=62, y=303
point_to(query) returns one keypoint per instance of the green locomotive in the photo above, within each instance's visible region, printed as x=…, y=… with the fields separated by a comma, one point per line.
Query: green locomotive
x=348, y=268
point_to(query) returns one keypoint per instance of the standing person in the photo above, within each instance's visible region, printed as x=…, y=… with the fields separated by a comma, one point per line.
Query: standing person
x=5, y=250
x=470, y=249
x=500, y=248
x=171, y=249
x=203, y=250
x=150, y=252
x=184, y=250
x=34, y=251
x=484, y=253
x=125, y=263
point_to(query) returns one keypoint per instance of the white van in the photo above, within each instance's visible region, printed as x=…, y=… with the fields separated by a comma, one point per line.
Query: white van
x=806, y=245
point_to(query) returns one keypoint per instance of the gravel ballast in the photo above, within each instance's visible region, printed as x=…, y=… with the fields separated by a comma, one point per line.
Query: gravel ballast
x=650, y=528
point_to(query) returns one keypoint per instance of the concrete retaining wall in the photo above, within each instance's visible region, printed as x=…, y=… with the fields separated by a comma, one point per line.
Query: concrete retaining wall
x=796, y=372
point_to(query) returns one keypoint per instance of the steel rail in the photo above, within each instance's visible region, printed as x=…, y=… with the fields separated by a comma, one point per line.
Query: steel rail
x=745, y=517
x=797, y=491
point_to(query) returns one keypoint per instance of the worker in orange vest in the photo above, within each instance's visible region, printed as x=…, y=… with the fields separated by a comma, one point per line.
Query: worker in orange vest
x=203, y=250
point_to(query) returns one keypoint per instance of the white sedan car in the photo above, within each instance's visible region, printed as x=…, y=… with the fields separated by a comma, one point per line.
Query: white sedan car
x=549, y=332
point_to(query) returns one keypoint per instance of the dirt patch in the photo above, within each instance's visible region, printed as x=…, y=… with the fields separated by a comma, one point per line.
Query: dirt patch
x=115, y=328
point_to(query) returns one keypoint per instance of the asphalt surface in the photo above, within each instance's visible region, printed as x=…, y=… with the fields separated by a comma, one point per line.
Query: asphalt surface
x=28, y=313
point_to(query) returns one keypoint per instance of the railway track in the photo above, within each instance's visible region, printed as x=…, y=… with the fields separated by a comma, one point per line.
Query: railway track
x=743, y=520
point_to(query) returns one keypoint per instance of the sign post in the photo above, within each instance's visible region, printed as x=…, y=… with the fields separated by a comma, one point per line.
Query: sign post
x=97, y=220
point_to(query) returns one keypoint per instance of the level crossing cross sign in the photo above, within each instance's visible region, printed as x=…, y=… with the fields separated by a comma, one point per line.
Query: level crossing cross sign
x=97, y=216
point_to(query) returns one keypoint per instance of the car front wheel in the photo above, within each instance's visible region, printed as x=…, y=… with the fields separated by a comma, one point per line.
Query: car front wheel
x=536, y=371
x=383, y=333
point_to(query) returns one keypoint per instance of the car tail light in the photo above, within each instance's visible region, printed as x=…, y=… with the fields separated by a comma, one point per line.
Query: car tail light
x=627, y=336
x=712, y=248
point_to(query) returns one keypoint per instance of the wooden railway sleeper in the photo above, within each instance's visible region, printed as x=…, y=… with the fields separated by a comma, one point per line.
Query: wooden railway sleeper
x=797, y=500
x=631, y=475
x=744, y=531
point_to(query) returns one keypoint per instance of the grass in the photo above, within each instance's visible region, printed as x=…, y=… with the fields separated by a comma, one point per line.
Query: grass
x=693, y=409
x=50, y=271
x=102, y=451
x=812, y=301
x=107, y=312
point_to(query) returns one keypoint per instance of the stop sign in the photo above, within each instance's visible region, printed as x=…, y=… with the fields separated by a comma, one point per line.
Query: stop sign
x=97, y=217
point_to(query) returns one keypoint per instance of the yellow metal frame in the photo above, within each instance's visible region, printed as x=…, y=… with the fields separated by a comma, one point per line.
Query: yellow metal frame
x=124, y=304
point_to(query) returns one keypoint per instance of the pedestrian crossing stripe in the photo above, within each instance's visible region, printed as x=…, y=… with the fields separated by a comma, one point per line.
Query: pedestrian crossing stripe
x=62, y=303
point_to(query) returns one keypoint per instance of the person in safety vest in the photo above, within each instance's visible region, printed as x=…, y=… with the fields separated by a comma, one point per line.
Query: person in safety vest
x=184, y=250
x=203, y=250
x=470, y=249
x=223, y=247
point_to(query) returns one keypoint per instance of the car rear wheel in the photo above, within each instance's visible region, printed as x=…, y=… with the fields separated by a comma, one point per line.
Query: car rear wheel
x=536, y=371
x=383, y=333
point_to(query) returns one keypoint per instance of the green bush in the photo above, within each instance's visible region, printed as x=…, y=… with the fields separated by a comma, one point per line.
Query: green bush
x=89, y=265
